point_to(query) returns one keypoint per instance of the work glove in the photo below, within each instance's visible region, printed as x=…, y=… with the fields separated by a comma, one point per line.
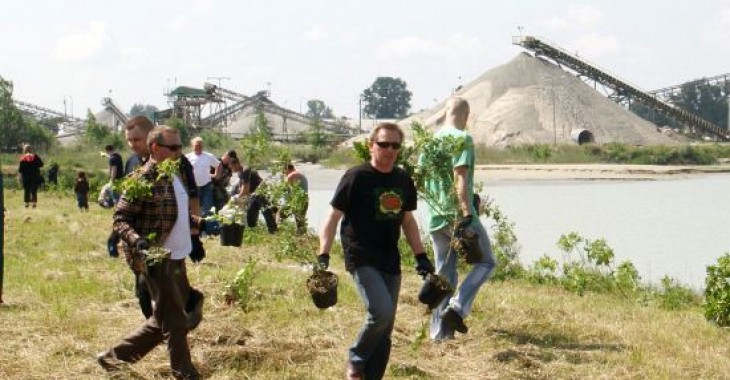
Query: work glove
x=323, y=261
x=197, y=254
x=141, y=244
x=463, y=223
x=423, y=265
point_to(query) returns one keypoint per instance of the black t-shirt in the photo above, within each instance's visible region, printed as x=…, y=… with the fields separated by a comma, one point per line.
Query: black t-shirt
x=374, y=204
x=251, y=177
x=115, y=160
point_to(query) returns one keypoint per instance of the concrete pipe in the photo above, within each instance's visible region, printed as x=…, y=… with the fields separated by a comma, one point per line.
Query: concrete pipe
x=582, y=136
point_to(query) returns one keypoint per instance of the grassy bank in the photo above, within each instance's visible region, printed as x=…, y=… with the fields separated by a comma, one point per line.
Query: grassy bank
x=614, y=153
x=65, y=300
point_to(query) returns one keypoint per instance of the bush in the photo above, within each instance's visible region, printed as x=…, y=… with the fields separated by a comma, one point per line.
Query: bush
x=717, y=292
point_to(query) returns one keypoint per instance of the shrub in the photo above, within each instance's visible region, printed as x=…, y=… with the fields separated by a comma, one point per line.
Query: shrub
x=717, y=292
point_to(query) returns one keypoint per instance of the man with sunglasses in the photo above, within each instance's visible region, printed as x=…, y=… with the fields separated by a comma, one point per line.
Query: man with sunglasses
x=137, y=130
x=377, y=200
x=449, y=316
x=159, y=220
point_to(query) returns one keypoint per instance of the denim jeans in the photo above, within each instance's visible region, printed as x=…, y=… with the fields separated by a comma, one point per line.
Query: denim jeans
x=205, y=194
x=446, y=260
x=379, y=293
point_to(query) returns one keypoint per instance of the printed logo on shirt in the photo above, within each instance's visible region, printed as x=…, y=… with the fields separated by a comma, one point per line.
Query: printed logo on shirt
x=389, y=203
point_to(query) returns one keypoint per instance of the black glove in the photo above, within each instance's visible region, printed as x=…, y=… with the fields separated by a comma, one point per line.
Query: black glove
x=197, y=254
x=323, y=261
x=141, y=245
x=423, y=265
x=464, y=222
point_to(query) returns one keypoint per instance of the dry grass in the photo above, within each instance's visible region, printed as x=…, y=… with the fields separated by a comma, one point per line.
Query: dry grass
x=65, y=300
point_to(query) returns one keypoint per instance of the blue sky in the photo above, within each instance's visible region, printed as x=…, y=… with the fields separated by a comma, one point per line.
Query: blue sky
x=81, y=51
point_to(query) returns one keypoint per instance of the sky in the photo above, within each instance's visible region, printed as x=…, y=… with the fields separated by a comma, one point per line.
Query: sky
x=68, y=55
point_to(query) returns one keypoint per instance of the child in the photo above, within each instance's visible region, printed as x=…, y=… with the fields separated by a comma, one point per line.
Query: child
x=81, y=188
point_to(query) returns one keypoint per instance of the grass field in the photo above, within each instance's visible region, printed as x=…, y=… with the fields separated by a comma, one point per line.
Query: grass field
x=65, y=300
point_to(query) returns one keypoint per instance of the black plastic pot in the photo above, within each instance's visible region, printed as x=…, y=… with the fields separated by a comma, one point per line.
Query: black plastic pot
x=231, y=235
x=322, y=286
x=434, y=290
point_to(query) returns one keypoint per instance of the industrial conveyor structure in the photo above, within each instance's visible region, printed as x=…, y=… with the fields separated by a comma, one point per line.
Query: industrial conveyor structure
x=67, y=124
x=623, y=91
x=260, y=101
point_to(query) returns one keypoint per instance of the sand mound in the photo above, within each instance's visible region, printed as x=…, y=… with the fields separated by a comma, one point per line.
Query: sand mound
x=529, y=100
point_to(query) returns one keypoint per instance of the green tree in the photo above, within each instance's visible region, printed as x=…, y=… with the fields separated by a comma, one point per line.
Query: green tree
x=261, y=124
x=387, y=98
x=317, y=136
x=316, y=109
x=11, y=119
x=143, y=109
x=96, y=134
x=181, y=127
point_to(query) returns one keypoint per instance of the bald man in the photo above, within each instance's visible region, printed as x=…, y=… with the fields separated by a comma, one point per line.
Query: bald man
x=449, y=316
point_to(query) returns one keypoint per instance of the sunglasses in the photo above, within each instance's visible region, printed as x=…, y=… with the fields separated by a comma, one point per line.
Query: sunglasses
x=173, y=148
x=386, y=144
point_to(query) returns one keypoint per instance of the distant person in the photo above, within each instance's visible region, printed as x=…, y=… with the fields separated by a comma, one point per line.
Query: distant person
x=106, y=199
x=203, y=162
x=81, y=189
x=295, y=178
x=449, y=316
x=377, y=200
x=222, y=178
x=53, y=173
x=248, y=184
x=29, y=175
x=116, y=167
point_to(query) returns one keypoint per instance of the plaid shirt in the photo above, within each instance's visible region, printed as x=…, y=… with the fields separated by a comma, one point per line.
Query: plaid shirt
x=140, y=217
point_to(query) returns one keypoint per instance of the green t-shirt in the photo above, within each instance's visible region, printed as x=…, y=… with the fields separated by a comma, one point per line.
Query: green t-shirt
x=444, y=187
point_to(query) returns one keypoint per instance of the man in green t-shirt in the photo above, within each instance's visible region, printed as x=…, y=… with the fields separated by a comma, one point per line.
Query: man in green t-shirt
x=449, y=316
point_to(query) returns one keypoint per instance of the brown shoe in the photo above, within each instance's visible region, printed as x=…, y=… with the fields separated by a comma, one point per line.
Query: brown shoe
x=108, y=362
x=353, y=373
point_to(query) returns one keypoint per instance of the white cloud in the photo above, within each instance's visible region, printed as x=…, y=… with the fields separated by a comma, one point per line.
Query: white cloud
x=84, y=45
x=316, y=33
x=408, y=47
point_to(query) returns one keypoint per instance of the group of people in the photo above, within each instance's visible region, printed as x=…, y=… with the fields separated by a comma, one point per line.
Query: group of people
x=372, y=204
x=173, y=217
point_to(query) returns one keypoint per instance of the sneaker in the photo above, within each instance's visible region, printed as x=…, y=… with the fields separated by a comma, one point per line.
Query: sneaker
x=454, y=320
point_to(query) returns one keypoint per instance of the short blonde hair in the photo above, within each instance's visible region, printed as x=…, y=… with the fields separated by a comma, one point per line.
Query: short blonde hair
x=27, y=148
x=196, y=140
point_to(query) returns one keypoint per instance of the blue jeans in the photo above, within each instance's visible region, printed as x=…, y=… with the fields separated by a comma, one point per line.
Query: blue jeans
x=379, y=292
x=205, y=194
x=446, y=260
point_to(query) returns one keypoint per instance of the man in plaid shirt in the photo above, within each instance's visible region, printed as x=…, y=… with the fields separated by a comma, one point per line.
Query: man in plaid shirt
x=162, y=220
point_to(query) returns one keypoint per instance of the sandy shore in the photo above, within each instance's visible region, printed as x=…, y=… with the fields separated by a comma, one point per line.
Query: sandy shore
x=323, y=178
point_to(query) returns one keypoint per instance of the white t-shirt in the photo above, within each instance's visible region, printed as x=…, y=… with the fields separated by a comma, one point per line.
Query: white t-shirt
x=178, y=242
x=201, y=166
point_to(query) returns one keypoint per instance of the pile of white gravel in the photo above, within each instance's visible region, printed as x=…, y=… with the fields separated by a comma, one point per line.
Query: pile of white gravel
x=529, y=100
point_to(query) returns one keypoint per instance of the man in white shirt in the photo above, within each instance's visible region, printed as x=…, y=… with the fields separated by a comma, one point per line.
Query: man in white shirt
x=202, y=163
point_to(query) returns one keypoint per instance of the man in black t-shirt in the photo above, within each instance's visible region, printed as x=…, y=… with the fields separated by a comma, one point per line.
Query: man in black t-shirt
x=377, y=200
x=249, y=182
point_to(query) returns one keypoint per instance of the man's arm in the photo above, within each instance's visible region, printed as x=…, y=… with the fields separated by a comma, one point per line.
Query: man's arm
x=410, y=230
x=328, y=229
x=462, y=192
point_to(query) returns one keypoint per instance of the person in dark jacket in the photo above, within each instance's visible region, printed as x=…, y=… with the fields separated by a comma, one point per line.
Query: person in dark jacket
x=29, y=175
x=81, y=189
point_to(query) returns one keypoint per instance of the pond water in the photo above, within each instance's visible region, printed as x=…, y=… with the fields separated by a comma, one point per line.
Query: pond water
x=667, y=227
